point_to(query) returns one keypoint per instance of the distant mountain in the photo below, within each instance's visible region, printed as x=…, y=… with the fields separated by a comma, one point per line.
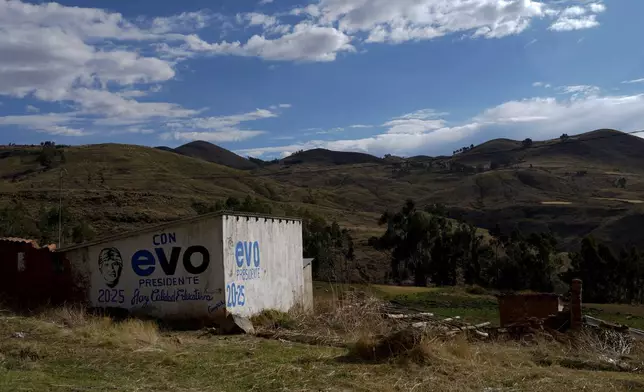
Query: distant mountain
x=567, y=186
x=603, y=147
x=215, y=154
x=322, y=156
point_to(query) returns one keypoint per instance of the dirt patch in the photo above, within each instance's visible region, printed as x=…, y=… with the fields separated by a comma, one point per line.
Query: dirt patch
x=555, y=203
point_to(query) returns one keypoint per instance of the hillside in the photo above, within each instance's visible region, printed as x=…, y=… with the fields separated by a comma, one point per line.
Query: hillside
x=600, y=148
x=569, y=189
x=215, y=154
x=322, y=156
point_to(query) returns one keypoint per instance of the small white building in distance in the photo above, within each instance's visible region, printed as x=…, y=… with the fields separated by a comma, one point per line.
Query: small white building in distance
x=200, y=268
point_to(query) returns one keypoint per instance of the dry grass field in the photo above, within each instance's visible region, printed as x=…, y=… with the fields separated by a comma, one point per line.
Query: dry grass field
x=353, y=349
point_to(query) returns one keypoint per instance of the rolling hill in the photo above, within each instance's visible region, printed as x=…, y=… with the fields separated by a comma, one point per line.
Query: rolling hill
x=600, y=148
x=567, y=187
x=322, y=156
x=212, y=153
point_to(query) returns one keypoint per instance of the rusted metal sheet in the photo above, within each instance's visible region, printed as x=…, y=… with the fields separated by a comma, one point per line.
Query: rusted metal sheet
x=519, y=307
x=31, y=275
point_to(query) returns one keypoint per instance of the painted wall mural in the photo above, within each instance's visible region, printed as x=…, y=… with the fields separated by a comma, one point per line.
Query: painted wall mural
x=169, y=276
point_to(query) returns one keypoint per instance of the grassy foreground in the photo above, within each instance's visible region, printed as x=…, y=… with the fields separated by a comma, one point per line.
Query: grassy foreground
x=473, y=304
x=68, y=350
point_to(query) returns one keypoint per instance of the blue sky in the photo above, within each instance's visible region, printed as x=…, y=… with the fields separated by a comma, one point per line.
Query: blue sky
x=266, y=78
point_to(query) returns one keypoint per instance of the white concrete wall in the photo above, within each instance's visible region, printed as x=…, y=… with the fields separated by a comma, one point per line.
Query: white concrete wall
x=156, y=274
x=263, y=264
x=308, y=288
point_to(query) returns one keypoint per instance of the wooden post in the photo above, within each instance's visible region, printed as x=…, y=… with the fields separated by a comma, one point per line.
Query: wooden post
x=575, y=304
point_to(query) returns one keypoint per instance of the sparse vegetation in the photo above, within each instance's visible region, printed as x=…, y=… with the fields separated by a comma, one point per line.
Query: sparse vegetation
x=15, y=221
x=347, y=347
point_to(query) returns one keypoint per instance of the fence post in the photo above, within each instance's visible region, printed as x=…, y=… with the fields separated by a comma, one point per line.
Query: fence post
x=575, y=304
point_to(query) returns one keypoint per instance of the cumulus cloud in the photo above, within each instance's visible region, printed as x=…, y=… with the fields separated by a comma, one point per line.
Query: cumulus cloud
x=577, y=17
x=306, y=42
x=327, y=27
x=404, y=20
x=31, y=109
x=82, y=57
x=537, y=118
x=417, y=122
x=597, y=7
x=569, y=24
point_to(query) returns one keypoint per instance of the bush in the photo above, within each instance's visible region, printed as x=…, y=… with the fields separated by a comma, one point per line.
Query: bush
x=273, y=319
x=476, y=290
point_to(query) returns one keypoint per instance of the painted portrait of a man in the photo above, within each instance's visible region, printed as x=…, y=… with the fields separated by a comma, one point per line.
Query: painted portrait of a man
x=110, y=264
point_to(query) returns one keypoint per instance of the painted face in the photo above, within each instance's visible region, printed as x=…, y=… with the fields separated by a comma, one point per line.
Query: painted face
x=110, y=265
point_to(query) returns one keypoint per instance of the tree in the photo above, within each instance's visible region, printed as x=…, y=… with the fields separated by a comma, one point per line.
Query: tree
x=426, y=246
x=564, y=137
x=527, y=143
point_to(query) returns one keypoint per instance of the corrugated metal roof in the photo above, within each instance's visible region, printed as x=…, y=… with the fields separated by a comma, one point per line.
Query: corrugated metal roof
x=33, y=243
x=17, y=239
x=175, y=222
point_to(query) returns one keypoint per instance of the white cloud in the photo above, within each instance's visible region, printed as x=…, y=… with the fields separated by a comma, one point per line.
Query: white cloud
x=231, y=135
x=538, y=118
x=257, y=19
x=633, y=81
x=548, y=117
x=360, y=126
x=597, y=8
x=116, y=109
x=570, y=24
x=262, y=2
x=305, y=43
x=52, y=123
x=329, y=131
x=31, y=109
x=573, y=11
x=218, y=128
x=579, y=90
x=186, y=21
x=325, y=28
x=281, y=106
x=532, y=42
x=577, y=17
x=403, y=20
x=541, y=84
x=226, y=121
x=82, y=57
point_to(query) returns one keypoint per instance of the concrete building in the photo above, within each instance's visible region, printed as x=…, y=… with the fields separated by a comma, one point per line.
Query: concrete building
x=202, y=267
